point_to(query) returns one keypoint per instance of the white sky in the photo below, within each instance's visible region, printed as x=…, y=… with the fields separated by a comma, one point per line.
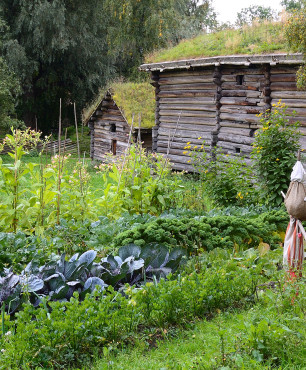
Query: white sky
x=227, y=9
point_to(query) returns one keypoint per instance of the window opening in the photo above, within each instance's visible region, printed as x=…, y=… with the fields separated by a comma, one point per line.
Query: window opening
x=114, y=147
x=240, y=79
x=113, y=127
x=237, y=150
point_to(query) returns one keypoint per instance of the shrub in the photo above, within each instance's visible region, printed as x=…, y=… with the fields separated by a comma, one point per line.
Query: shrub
x=227, y=180
x=274, y=153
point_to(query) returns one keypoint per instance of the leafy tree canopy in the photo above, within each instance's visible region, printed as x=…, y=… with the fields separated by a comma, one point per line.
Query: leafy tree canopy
x=254, y=12
x=138, y=27
x=291, y=5
x=9, y=89
x=69, y=48
x=58, y=49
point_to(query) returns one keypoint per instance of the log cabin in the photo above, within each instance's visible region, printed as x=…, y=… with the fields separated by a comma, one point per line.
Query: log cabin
x=218, y=99
x=110, y=129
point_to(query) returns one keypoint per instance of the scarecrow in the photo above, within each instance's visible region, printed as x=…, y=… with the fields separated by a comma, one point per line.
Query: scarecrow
x=295, y=201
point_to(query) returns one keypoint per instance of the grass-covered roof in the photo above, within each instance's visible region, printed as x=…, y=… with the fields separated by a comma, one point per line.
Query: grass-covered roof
x=260, y=38
x=136, y=99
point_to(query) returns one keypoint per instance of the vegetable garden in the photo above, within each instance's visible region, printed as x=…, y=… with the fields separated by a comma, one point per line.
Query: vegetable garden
x=109, y=265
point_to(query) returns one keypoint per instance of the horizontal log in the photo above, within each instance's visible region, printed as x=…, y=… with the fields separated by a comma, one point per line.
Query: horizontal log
x=182, y=144
x=239, y=117
x=187, y=134
x=182, y=141
x=283, y=69
x=249, y=125
x=288, y=94
x=282, y=77
x=197, y=100
x=246, y=140
x=196, y=72
x=233, y=86
x=111, y=117
x=240, y=101
x=187, y=107
x=114, y=111
x=186, y=80
x=242, y=70
x=187, y=113
x=191, y=127
x=183, y=87
x=186, y=94
x=283, y=86
x=236, y=109
x=246, y=78
x=189, y=120
x=241, y=93
x=244, y=149
x=175, y=159
x=236, y=131
x=298, y=103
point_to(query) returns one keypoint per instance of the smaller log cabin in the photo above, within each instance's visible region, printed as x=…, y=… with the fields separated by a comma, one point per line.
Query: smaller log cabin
x=110, y=130
x=218, y=99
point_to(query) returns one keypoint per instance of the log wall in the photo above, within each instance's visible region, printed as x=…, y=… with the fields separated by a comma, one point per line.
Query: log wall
x=220, y=104
x=185, y=111
x=283, y=86
x=110, y=131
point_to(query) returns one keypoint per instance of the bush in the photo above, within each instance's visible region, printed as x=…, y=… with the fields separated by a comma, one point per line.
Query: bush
x=227, y=180
x=274, y=153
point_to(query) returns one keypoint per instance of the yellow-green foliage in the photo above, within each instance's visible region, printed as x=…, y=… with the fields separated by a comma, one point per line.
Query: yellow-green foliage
x=137, y=99
x=264, y=37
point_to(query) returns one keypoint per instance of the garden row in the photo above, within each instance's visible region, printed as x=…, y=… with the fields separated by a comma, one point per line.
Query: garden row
x=64, y=334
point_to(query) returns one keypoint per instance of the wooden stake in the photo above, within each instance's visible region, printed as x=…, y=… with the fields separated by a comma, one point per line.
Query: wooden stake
x=77, y=133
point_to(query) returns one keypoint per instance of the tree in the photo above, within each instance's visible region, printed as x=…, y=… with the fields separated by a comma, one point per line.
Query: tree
x=138, y=27
x=291, y=5
x=70, y=48
x=58, y=49
x=9, y=89
x=295, y=32
x=248, y=15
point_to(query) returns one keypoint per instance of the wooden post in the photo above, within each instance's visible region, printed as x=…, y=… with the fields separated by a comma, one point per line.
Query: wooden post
x=77, y=132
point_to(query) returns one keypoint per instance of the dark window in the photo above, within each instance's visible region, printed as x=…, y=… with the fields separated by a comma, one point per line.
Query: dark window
x=112, y=127
x=237, y=150
x=239, y=79
x=114, y=147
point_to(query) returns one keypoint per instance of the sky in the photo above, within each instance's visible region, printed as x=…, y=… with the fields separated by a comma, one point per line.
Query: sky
x=227, y=9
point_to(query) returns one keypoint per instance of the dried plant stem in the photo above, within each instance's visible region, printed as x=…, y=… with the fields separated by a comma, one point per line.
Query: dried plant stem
x=59, y=164
x=169, y=145
x=126, y=153
x=77, y=132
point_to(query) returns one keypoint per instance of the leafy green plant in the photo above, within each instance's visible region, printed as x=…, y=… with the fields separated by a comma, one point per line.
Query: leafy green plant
x=135, y=264
x=73, y=331
x=135, y=183
x=13, y=208
x=274, y=153
x=60, y=279
x=206, y=233
x=227, y=180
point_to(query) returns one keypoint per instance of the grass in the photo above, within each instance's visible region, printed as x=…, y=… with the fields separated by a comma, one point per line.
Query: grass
x=132, y=98
x=265, y=37
x=225, y=342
